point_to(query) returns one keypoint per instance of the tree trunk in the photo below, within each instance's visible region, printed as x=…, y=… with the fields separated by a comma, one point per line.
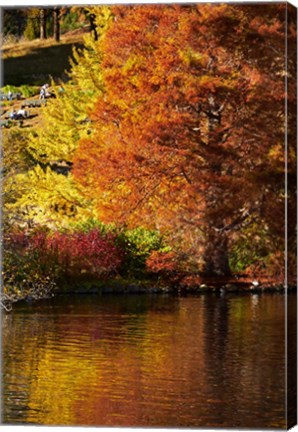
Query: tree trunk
x=19, y=19
x=43, y=24
x=56, y=13
x=216, y=255
x=216, y=241
x=93, y=29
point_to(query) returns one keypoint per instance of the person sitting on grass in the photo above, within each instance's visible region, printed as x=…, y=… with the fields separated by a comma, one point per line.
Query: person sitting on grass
x=13, y=115
x=42, y=94
x=47, y=91
x=21, y=113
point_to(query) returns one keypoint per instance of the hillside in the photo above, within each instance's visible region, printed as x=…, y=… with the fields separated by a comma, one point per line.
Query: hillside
x=33, y=62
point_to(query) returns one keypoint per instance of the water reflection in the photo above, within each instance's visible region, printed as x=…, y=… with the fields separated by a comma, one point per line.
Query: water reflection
x=204, y=361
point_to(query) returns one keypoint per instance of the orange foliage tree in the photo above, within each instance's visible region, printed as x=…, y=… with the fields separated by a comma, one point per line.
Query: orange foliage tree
x=190, y=132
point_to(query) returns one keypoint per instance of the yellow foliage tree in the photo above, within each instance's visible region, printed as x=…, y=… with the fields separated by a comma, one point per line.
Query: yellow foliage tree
x=46, y=192
x=47, y=198
x=65, y=119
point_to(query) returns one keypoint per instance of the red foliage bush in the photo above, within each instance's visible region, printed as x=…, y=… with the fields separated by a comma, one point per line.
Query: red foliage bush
x=68, y=254
x=92, y=252
x=163, y=263
x=273, y=266
x=191, y=281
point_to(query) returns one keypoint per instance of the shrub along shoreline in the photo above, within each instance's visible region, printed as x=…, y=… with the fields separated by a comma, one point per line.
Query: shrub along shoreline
x=39, y=264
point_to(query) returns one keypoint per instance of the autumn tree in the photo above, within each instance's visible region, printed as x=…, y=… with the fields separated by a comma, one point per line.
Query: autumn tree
x=291, y=144
x=66, y=120
x=190, y=133
x=45, y=191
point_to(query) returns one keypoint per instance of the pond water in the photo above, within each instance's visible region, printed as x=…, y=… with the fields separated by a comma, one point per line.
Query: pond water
x=158, y=360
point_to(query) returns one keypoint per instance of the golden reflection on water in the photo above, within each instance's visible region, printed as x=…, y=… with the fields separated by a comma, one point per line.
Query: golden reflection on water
x=146, y=361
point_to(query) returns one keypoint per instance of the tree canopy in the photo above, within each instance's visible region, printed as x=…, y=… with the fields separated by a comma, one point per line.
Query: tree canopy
x=190, y=131
x=173, y=120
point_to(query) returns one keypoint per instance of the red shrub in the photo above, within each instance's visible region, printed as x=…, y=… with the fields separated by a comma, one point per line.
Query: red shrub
x=191, y=281
x=38, y=242
x=162, y=262
x=273, y=266
x=92, y=252
x=68, y=254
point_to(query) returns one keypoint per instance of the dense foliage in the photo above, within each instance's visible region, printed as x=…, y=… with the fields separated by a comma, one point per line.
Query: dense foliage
x=39, y=260
x=162, y=156
x=190, y=133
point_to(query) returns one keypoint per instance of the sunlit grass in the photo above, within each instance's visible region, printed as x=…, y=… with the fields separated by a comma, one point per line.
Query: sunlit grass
x=26, y=47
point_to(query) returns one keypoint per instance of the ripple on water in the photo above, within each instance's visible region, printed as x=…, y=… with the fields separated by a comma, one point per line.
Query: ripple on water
x=146, y=361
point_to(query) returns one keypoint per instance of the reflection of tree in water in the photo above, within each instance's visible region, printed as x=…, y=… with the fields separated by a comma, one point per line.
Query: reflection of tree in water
x=291, y=357
x=146, y=361
x=244, y=337
x=23, y=346
x=216, y=324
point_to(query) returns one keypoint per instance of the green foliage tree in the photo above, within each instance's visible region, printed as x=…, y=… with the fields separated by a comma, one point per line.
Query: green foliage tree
x=32, y=29
x=13, y=22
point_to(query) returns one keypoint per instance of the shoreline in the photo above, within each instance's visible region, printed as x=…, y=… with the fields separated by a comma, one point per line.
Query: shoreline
x=211, y=286
x=237, y=284
x=202, y=289
x=114, y=287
